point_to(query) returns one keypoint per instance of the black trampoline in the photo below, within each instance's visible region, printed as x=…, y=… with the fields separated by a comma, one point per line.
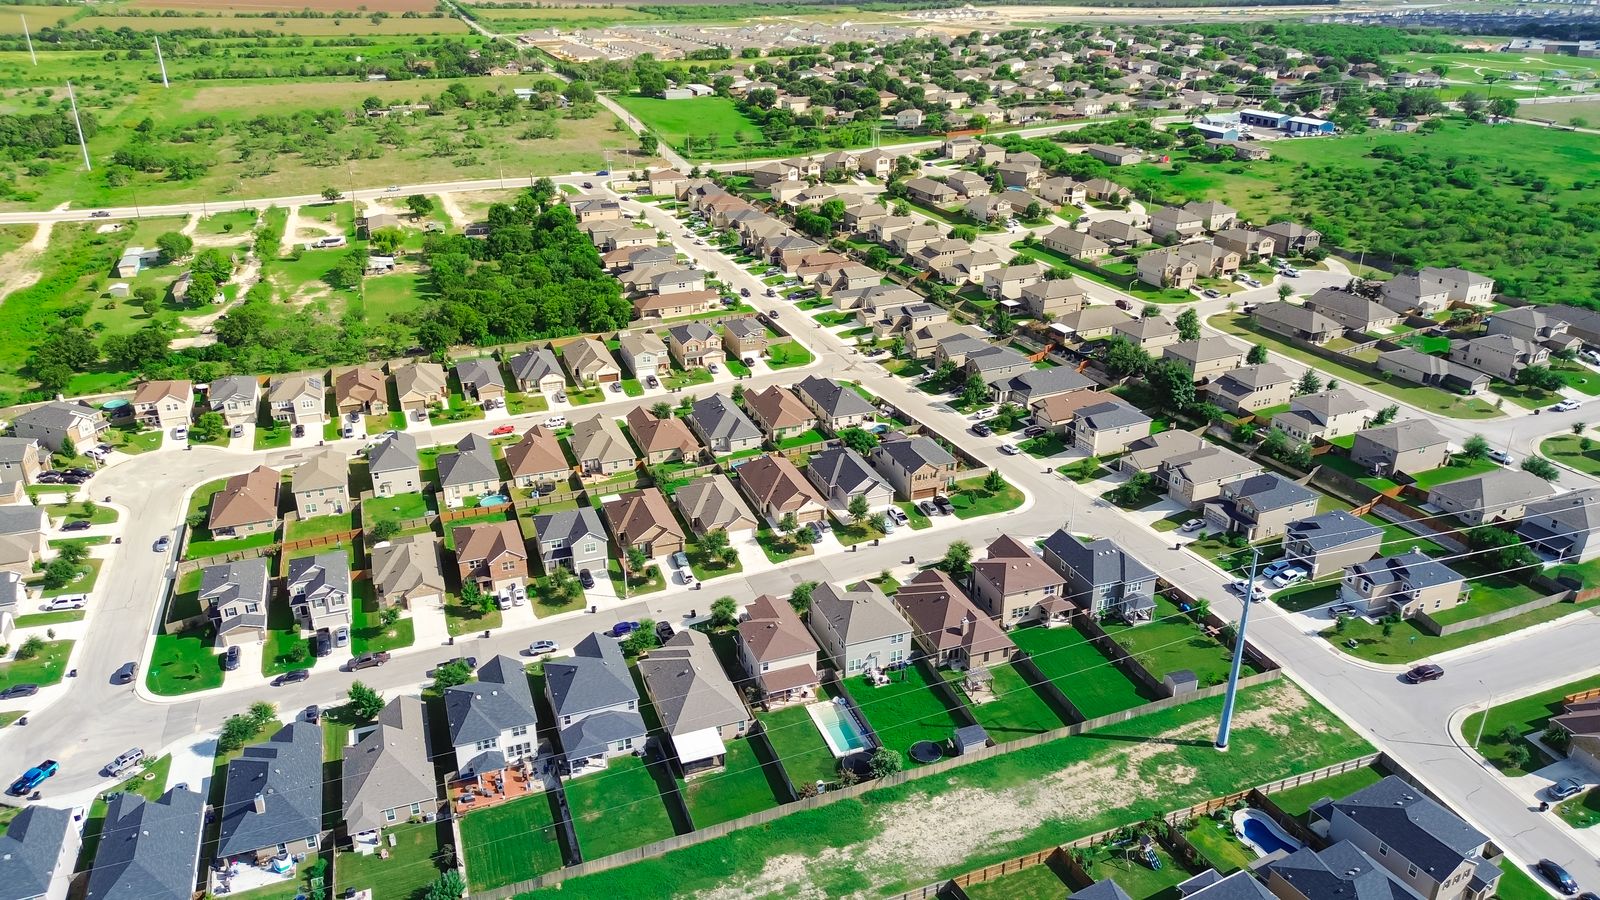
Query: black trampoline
x=925, y=751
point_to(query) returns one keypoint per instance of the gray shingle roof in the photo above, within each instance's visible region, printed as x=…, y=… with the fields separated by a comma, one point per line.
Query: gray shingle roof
x=1097, y=562
x=1036, y=383
x=148, y=848
x=286, y=772
x=843, y=469
x=720, y=420
x=57, y=415
x=1340, y=872
x=594, y=677
x=590, y=735
x=15, y=450
x=29, y=849
x=1269, y=491
x=472, y=462
x=1112, y=413
x=533, y=365
x=1402, y=436
x=858, y=614
x=1413, y=567
x=396, y=452
x=1431, y=837
x=914, y=452
x=233, y=387
x=569, y=525
x=690, y=689
x=1105, y=889
x=497, y=701
x=388, y=768
x=834, y=399
x=1331, y=529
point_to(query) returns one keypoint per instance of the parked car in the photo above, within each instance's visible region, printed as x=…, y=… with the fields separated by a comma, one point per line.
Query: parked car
x=230, y=659
x=1557, y=876
x=538, y=648
x=341, y=636
x=238, y=430
x=652, y=381
x=32, y=778
x=312, y=713
x=1193, y=525
x=1501, y=457
x=25, y=689
x=322, y=643
x=679, y=560
x=503, y=601
x=623, y=629
x=897, y=515
x=127, y=760
x=1341, y=609
x=1274, y=569
x=586, y=579
x=981, y=430
x=60, y=604
x=665, y=631
x=1565, y=406
x=293, y=677
x=78, y=471
x=78, y=525
x=1289, y=576
x=299, y=431
x=502, y=429
x=368, y=661
x=1566, y=787
x=1010, y=449
x=1033, y=431
x=124, y=673
x=1424, y=672
x=556, y=421
x=927, y=508
x=1211, y=293
x=943, y=505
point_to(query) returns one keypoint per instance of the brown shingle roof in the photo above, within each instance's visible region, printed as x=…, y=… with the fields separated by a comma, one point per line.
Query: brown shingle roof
x=246, y=499
x=776, y=484
x=940, y=611
x=1014, y=568
x=489, y=541
x=536, y=454
x=655, y=435
x=778, y=407
x=642, y=517
x=773, y=630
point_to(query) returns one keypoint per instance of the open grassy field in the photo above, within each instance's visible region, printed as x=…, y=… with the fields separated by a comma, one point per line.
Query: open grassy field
x=38, y=17
x=1488, y=68
x=325, y=6
x=1579, y=112
x=350, y=27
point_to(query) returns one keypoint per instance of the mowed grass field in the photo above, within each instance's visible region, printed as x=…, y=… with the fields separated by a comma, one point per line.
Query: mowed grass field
x=324, y=6
x=1486, y=67
x=1581, y=112
x=285, y=26
x=38, y=17
x=675, y=120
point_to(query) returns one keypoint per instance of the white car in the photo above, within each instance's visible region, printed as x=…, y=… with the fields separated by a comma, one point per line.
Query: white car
x=1193, y=525
x=1010, y=449
x=555, y=421
x=538, y=648
x=60, y=604
x=1501, y=457
x=1288, y=576
x=985, y=413
x=1565, y=406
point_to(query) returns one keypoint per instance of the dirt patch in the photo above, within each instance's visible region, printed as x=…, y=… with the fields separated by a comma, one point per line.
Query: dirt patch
x=19, y=269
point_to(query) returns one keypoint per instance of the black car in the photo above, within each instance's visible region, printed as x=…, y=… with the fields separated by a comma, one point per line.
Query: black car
x=1033, y=431
x=322, y=644
x=230, y=659
x=51, y=477
x=26, y=689
x=299, y=431
x=124, y=673
x=944, y=505
x=1589, y=895
x=665, y=631
x=981, y=430
x=1557, y=876
x=294, y=677
x=77, y=525
x=79, y=471
x=74, y=479
x=586, y=579
x=313, y=713
x=1424, y=672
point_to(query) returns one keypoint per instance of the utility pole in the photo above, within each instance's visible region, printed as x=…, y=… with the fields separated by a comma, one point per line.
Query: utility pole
x=1238, y=654
x=160, y=60
x=29, y=38
x=82, y=144
x=1484, y=719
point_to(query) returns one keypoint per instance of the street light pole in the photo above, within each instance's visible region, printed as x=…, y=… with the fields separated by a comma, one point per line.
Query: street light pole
x=1238, y=654
x=1485, y=719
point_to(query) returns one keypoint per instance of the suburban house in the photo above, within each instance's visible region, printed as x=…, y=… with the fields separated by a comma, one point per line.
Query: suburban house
x=573, y=539
x=858, y=627
x=321, y=485
x=1192, y=468
x=699, y=708
x=394, y=465
x=406, y=572
x=837, y=407
x=1428, y=370
x=38, y=852
x=1404, y=585
x=1167, y=268
x=916, y=466
x=469, y=472
x=234, y=596
x=296, y=399
x=1564, y=526
x=536, y=459
x=1329, y=542
x=361, y=390
x=948, y=627
x=420, y=386
x=1206, y=357
x=1098, y=423
x=1289, y=238
x=1300, y=323
x=1424, y=846
x=1498, y=495
x=22, y=459
x=710, y=503
x=272, y=797
x=1214, y=216
x=481, y=379
x=1008, y=282
x=1114, y=156
x=1247, y=242
x=1535, y=325
x=490, y=555
x=842, y=475
x=777, y=651
x=1327, y=415
x=643, y=519
x=1339, y=870
x=163, y=404
x=319, y=590
x=1175, y=220
x=662, y=440
x=600, y=447
x=1014, y=585
x=492, y=721
x=1052, y=298
x=695, y=346
x=1500, y=355
x=589, y=362
x=780, y=414
x=1412, y=446
x=644, y=353
x=723, y=426
x=1148, y=333
x=595, y=704
x=776, y=488
x=1260, y=506
x=1244, y=391
x=1580, y=721
x=246, y=505
x=537, y=372
x=236, y=397
x=1030, y=385
x=388, y=775
x=1353, y=311
x=53, y=424
x=745, y=338
x=1075, y=244
x=148, y=848
x=1102, y=579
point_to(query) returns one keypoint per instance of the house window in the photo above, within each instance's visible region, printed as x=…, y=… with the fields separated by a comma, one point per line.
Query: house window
x=1411, y=870
x=1383, y=849
x=489, y=744
x=416, y=809
x=1049, y=590
x=519, y=730
x=854, y=665
x=896, y=656
x=590, y=548
x=389, y=816
x=508, y=566
x=898, y=639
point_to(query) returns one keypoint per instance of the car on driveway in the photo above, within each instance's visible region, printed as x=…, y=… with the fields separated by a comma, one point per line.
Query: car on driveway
x=1566, y=787
x=1424, y=672
x=586, y=579
x=1558, y=876
x=1192, y=526
x=1341, y=609
x=32, y=778
x=26, y=689
x=538, y=648
x=124, y=673
x=898, y=515
x=503, y=429
x=77, y=525
x=1274, y=569
x=943, y=504
x=61, y=604
x=1289, y=576
x=322, y=643
x=927, y=508
x=230, y=659
x=1033, y=431
x=665, y=631
x=1565, y=406
x=679, y=560
x=294, y=677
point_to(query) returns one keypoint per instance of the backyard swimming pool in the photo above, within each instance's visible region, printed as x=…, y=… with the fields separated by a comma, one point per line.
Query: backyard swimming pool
x=1261, y=834
x=838, y=728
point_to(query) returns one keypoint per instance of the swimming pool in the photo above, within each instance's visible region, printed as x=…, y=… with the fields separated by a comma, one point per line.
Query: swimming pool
x=1261, y=834
x=493, y=500
x=838, y=728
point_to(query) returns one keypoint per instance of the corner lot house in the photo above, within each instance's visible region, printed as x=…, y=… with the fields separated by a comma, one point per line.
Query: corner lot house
x=272, y=798
x=163, y=404
x=395, y=466
x=700, y=709
x=1330, y=541
x=1102, y=578
x=234, y=596
x=1412, y=446
x=148, y=848
x=296, y=400
x=492, y=721
x=320, y=485
x=777, y=651
x=917, y=467
x=858, y=627
x=537, y=460
x=600, y=447
x=406, y=572
x=469, y=472
x=1499, y=495
x=388, y=775
x=1405, y=585
x=595, y=704
x=572, y=538
x=1565, y=526
x=835, y=405
x=37, y=853
x=1500, y=355
x=1260, y=506
x=1327, y=415
x=948, y=628
x=54, y=423
x=1207, y=357
x=246, y=505
x=1013, y=585
x=491, y=555
x=319, y=590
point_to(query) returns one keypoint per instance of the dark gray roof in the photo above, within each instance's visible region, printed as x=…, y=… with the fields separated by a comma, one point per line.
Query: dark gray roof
x=396, y=452
x=533, y=365
x=570, y=525
x=1105, y=889
x=1044, y=382
x=473, y=461
x=1327, y=530
x=14, y=450
x=991, y=358
x=912, y=453
x=594, y=677
x=746, y=327
x=1426, y=834
x=692, y=331
x=1240, y=885
x=841, y=468
x=499, y=700
x=1097, y=562
x=1114, y=412
x=246, y=579
x=321, y=574
x=148, y=848
x=57, y=415
x=1402, y=436
x=476, y=373
x=487, y=761
x=286, y=772
x=834, y=399
x=720, y=420
x=589, y=735
x=1268, y=491
x=1340, y=872
x=1413, y=566
x=29, y=850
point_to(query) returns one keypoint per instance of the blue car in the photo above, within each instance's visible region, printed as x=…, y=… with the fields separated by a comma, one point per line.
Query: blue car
x=623, y=629
x=32, y=778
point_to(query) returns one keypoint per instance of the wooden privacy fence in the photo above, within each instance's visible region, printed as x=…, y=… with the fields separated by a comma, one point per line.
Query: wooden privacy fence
x=1581, y=696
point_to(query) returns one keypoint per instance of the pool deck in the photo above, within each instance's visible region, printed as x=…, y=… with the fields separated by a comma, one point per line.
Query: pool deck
x=840, y=713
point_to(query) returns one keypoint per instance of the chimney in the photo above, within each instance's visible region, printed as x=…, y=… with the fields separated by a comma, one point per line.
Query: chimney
x=966, y=625
x=260, y=804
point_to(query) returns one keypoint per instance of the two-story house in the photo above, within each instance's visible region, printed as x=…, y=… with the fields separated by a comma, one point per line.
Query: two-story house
x=1246, y=390
x=1534, y=324
x=1412, y=446
x=1102, y=579
x=406, y=572
x=595, y=704
x=949, y=629
x=644, y=353
x=777, y=651
x=321, y=485
x=573, y=539
x=395, y=466
x=163, y=404
x=22, y=459
x=1207, y=357
x=776, y=488
x=296, y=400
x=234, y=596
x=1014, y=585
x=1328, y=542
x=492, y=722
x=700, y=709
x=1260, y=506
x=469, y=472
x=1566, y=526
x=272, y=797
x=744, y=338
x=1499, y=355
x=1404, y=585
x=319, y=590
x=53, y=424
x=858, y=627
x=695, y=346
x=1327, y=415
x=916, y=466
x=236, y=397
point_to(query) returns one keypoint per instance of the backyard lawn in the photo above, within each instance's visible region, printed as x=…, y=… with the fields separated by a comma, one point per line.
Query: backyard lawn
x=1216, y=843
x=1015, y=711
x=1525, y=715
x=408, y=871
x=1296, y=801
x=508, y=843
x=744, y=786
x=904, y=711
x=1459, y=468
x=183, y=663
x=1173, y=642
x=1123, y=863
x=800, y=746
x=618, y=809
x=1065, y=656
x=1033, y=883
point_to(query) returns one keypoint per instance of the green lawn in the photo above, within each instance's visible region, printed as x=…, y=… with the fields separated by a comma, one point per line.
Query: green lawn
x=42, y=620
x=1308, y=595
x=974, y=500
x=916, y=518
x=285, y=641
x=1525, y=715
x=744, y=786
x=1582, y=811
x=1297, y=800
x=508, y=843
x=409, y=869
x=317, y=526
x=367, y=631
x=200, y=549
x=904, y=711
x=183, y=663
x=399, y=507
x=1409, y=643
x=618, y=809
x=1216, y=843
x=1517, y=884
x=1080, y=670
x=1048, y=444
x=777, y=547
x=1133, y=875
x=81, y=583
x=1033, y=883
x=75, y=511
x=714, y=119
x=1172, y=642
x=1567, y=449
x=787, y=355
x=462, y=619
x=44, y=669
x=1015, y=709
x=805, y=755
x=1459, y=468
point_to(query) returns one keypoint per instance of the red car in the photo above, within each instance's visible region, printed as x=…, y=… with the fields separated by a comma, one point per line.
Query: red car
x=503, y=429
